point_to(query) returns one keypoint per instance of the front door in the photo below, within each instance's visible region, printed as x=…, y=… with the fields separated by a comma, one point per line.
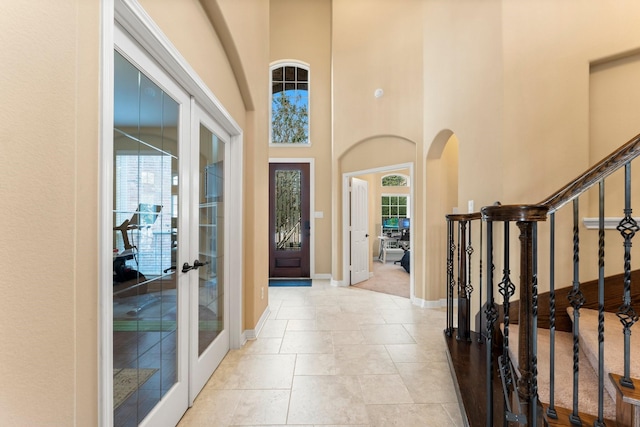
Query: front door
x=289, y=220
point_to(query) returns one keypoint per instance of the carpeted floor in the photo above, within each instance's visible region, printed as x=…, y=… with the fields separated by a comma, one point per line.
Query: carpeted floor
x=388, y=278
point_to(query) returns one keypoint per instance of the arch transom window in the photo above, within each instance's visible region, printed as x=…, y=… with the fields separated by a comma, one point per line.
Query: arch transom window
x=290, y=104
x=395, y=180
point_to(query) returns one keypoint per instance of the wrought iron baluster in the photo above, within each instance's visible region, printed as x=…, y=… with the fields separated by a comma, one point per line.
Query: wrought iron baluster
x=469, y=250
x=576, y=299
x=627, y=315
x=450, y=279
x=464, y=307
x=480, y=282
x=492, y=315
x=533, y=402
x=551, y=410
x=506, y=289
x=600, y=421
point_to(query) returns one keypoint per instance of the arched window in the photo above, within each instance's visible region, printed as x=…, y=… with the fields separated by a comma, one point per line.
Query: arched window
x=290, y=103
x=395, y=180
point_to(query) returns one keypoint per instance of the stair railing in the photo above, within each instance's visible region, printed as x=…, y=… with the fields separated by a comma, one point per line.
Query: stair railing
x=459, y=272
x=521, y=389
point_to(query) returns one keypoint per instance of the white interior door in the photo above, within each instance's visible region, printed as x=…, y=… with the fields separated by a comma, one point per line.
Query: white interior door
x=359, y=230
x=209, y=296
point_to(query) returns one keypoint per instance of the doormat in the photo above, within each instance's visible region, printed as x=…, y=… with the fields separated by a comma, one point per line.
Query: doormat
x=127, y=381
x=289, y=282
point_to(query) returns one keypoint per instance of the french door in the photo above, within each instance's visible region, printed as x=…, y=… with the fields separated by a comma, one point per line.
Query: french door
x=170, y=305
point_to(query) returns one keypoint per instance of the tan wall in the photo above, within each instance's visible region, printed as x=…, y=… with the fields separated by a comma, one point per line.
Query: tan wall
x=301, y=31
x=376, y=45
x=442, y=190
x=203, y=48
x=49, y=193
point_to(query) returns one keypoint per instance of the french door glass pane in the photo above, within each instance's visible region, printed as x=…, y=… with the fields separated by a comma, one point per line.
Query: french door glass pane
x=144, y=243
x=211, y=247
x=288, y=213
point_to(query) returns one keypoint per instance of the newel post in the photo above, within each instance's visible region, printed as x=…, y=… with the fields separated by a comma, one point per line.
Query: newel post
x=526, y=218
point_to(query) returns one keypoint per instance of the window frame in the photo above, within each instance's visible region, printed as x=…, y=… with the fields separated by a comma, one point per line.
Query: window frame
x=297, y=64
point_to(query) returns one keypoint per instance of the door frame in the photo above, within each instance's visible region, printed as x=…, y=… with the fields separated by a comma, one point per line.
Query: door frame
x=346, y=241
x=134, y=19
x=312, y=212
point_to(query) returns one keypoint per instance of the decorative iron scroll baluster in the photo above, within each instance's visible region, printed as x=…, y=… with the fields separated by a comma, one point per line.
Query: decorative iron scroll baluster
x=450, y=280
x=600, y=421
x=469, y=250
x=480, y=282
x=492, y=315
x=551, y=410
x=464, y=302
x=506, y=289
x=533, y=397
x=627, y=315
x=576, y=299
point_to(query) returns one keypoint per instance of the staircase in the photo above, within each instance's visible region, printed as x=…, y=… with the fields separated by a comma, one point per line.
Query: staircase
x=560, y=358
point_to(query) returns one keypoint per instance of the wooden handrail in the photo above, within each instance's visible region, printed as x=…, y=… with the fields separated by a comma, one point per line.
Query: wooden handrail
x=464, y=217
x=599, y=171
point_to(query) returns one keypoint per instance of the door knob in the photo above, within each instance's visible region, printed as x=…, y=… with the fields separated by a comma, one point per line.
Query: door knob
x=186, y=267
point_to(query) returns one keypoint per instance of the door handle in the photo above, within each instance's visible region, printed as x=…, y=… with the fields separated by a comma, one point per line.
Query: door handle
x=197, y=264
x=366, y=235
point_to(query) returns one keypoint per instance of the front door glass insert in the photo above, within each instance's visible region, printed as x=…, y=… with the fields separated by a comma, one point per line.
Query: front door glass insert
x=288, y=210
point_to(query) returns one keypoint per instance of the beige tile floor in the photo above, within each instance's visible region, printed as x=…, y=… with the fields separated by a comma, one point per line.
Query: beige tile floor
x=331, y=356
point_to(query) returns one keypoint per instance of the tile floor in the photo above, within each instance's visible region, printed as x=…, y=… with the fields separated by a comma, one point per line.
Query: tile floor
x=331, y=356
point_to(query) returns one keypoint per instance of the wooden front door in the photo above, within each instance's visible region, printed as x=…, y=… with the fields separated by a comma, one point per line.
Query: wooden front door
x=289, y=221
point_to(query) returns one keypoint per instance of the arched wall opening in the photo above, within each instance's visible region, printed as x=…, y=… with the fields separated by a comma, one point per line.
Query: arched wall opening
x=377, y=154
x=441, y=174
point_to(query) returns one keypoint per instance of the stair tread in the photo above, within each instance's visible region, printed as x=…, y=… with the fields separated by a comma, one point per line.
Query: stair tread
x=587, y=420
x=563, y=393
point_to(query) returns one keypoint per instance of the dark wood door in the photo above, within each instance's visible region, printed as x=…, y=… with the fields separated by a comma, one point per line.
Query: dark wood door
x=289, y=220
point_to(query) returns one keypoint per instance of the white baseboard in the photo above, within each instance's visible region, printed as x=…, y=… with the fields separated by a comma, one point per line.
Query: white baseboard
x=252, y=334
x=429, y=304
x=339, y=283
x=322, y=276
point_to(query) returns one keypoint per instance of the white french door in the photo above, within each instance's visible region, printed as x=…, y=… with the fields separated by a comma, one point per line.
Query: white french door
x=170, y=282
x=209, y=290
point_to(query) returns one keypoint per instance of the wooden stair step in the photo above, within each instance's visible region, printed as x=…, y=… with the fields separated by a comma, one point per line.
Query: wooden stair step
x=564, y=420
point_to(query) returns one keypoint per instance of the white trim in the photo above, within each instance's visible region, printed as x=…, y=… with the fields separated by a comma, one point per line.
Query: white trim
x=610, y=223
x=312, y=204
x=345, y=221
x=105, y=219
x=323, y=276
x=252, y=334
